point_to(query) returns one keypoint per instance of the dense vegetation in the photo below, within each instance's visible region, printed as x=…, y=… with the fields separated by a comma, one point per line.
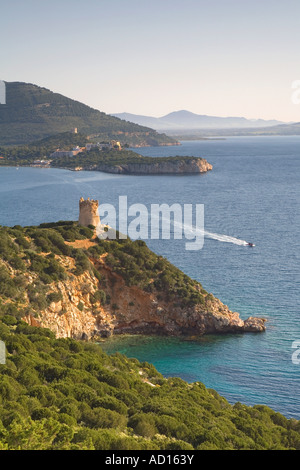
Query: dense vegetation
x=26, y=154
x=100, y=159
x=65, y=394
x=32, y=113
x=31, y=264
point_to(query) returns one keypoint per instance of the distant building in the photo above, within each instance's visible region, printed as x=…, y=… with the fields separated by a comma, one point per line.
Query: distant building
x=116, y=145
x=91, y=146
x=75, y=130
x=103, y=145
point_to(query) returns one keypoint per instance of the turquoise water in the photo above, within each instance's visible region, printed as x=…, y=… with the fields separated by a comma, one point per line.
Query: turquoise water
x=252, y=194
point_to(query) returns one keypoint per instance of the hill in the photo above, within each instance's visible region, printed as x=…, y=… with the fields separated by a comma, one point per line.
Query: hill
x=61, y=276
x=62, y=393
x=25, y=154
x=32, y=113
x=129, y=162
x=105, y=159
x=185, y=120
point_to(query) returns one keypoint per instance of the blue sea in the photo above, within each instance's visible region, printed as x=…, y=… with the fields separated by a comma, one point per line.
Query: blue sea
x=252, y=194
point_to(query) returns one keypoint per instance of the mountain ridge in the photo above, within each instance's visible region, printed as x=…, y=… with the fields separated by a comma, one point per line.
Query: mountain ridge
x=184, y=119
x=32, y=113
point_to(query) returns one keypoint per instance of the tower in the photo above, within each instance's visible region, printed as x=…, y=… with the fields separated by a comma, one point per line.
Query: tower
x=88, y=212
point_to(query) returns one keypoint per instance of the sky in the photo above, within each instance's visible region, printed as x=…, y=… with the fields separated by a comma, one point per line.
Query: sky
x=152, y=57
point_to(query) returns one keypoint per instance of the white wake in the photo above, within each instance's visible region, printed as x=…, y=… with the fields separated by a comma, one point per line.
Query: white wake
x=189, y=229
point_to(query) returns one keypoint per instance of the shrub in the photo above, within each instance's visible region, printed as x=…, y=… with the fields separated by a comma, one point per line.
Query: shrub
x=99, y=296
x=9, y=319
x=54, y=297
x=104, y=418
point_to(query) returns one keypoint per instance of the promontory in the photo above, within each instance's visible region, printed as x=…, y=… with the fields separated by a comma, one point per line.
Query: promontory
x=63, y=277
x=127, y=162
x=75, y=151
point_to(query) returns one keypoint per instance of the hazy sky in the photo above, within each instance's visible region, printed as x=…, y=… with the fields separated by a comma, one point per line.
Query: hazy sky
x=216, y=57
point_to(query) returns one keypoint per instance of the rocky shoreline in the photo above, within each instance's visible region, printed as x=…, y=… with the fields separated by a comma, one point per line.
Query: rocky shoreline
x=137, y=312
x=191, y=166
x=197, y=165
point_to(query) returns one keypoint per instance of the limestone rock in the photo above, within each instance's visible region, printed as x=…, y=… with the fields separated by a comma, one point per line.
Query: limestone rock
x=196, y=165
x=137, y=312
x=253, y=324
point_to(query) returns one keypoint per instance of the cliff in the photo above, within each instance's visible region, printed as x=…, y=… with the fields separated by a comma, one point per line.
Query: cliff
x=62, y=277
x=132, y=311
x=129, y=162
x=159, y=167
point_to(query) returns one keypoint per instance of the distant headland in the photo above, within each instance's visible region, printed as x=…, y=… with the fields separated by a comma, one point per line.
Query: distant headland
x=77, y=152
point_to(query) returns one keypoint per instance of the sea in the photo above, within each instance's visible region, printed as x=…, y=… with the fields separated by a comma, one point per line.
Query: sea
x=252, y=194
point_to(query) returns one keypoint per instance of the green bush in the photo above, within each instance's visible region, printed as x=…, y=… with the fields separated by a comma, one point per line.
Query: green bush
x=99, y=296
x=67, y=394
x=105, y=418
x=54, y=297
x=71, y=395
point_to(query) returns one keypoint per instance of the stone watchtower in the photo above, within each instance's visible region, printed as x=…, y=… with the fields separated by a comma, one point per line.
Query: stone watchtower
x=88, y=212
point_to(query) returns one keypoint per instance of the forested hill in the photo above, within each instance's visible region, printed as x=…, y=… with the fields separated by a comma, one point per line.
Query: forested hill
x=32, y=113
x=59, y=393
x=62, y=394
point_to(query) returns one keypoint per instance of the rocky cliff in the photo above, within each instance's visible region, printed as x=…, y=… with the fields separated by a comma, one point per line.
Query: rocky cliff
x=131, y=309
x=196, y=165
x=61, y=276
x=130, y=162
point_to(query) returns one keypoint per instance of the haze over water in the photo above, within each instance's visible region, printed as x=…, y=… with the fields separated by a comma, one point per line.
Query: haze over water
x=252, y=194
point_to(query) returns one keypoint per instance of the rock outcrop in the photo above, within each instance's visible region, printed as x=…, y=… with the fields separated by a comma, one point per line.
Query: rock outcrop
x=64, y=277
x=132, y=310
x=165, y=166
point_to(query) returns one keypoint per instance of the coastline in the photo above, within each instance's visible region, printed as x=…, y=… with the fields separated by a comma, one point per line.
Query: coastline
x=179, y=166
x=230, y=354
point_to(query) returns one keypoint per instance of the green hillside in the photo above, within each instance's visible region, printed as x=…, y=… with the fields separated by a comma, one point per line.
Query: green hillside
x=32, y=113
x=40, y=251
x=62, y=394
